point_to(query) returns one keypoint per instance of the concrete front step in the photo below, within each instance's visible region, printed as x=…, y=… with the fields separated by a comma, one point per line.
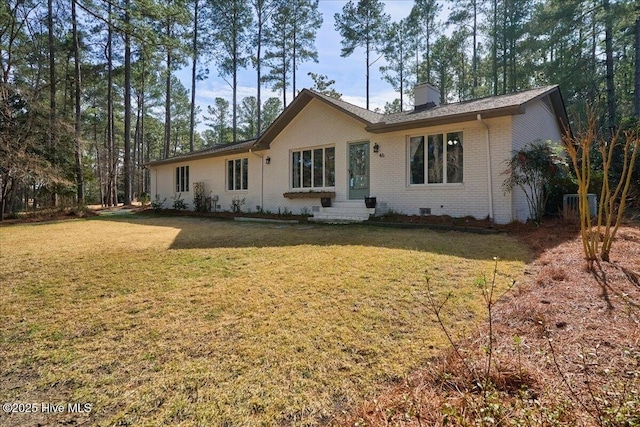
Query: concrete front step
x=343, y=212
x=334, y=220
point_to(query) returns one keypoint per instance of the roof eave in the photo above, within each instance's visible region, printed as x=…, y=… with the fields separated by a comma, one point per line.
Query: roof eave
x=443, y=120
x=199, y=156
x=561, y=112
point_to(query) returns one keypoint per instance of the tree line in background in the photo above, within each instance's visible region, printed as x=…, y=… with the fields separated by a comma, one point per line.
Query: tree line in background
x=89, y=91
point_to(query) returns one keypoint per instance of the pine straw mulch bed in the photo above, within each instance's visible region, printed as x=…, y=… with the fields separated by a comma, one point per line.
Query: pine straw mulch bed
x=45, y=215
x=566, y=348
x=227, y=215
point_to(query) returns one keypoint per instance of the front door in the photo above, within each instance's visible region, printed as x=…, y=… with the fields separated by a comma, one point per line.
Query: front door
x=358, y=170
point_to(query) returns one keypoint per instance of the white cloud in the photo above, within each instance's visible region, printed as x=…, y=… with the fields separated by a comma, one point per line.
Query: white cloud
x=377, y=100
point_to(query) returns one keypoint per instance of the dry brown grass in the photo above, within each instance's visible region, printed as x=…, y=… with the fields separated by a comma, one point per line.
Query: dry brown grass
x=199, y=322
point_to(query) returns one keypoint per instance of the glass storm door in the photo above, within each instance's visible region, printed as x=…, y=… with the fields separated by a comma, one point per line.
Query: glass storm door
x=358, y=170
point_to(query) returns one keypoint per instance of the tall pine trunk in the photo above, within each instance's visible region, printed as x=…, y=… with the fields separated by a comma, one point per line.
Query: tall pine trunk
x=284, y=69
x=504, y=47
x=284, y=78
x=294, y=47
x=637, y=63
x=611, y=94
x=235, y=60
x=145, y=144
x=367, y=59
x=112, y=156
x=427, y=51
x=494, y=48
x=136, y=156
x=475, y=49
x=77, y=143
x=127, y=106
x=259, y=70
x=402, y=73
x=167, y=100
x=194, y=64
x=51, y=141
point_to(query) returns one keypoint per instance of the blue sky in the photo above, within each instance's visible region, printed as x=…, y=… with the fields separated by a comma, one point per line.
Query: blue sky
x=349, y=73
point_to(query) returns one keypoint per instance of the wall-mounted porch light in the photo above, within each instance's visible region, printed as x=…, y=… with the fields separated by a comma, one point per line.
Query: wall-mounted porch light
x=376, y=147
x=268, y=160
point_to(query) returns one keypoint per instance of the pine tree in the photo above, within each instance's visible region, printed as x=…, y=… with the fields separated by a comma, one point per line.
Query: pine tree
x=262, y=10
x=306, y=20
x=232, y=22
x=218, y=122
x=423, y=19
x=398, y=47
x=362, y=25
x=465, y=14
x=248, y=117
x=443, y=55
x=322, y=84
x=290, y=41
x=173, y=18
x=271, y=109
x=195, y=55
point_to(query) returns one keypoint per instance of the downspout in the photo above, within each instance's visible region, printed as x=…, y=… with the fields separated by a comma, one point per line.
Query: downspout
x=261, y=177
x=489, y=179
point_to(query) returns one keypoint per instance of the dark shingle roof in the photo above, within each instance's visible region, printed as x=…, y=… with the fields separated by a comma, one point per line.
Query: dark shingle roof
x=491, y=106
x=216, y=150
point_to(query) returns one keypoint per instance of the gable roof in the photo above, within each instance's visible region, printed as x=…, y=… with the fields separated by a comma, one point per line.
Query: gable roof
x=366, y=117
x=491, y=106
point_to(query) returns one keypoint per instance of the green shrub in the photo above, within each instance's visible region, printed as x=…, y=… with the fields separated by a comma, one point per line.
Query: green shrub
x=236, y=204
x=157, y=204
x=531, y=169
x=145, y=198
x=201, y=202
x=178, y=203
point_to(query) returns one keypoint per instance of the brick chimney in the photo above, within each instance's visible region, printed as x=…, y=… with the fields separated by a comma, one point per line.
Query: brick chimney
x=427, y=96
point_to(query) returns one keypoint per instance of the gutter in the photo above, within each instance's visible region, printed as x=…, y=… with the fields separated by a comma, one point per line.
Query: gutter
x=261, y=176
x=155, y=179
x=489, y=178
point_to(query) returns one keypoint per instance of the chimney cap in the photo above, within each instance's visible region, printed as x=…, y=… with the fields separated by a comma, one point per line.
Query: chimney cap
x=419, y=84
x=427, y=96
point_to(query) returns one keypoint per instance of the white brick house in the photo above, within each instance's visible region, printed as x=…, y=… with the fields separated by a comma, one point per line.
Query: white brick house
x=438, y=159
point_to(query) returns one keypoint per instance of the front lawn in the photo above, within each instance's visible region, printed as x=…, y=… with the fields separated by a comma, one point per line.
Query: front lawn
x=162, y=320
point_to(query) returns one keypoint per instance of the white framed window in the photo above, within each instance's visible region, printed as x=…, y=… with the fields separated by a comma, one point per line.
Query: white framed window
x=436, y=159
x=238, y=174
x=313, y=168
x=182, y=179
